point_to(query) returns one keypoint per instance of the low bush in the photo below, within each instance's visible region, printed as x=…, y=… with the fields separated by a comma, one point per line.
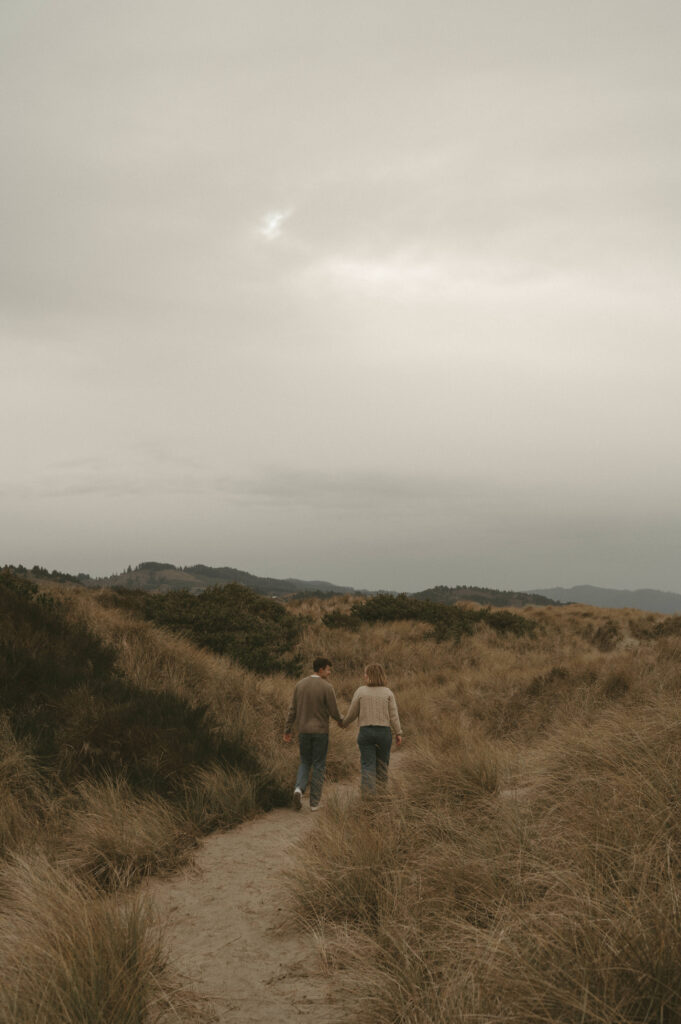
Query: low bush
x=449, y=622
x=256, y=631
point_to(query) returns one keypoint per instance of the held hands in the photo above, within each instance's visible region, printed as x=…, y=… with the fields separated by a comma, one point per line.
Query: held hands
x=288, y=736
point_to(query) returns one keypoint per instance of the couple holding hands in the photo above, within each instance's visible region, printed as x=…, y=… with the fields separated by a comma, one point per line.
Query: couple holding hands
x=314, y=702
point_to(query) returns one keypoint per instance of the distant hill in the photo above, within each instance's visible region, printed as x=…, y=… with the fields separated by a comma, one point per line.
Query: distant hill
x=162, y=577
x=40, y=573
x=483, y=595
x=601, y=597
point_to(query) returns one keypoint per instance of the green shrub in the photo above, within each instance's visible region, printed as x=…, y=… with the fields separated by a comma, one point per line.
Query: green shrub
x=449, y=622
x=256, y=631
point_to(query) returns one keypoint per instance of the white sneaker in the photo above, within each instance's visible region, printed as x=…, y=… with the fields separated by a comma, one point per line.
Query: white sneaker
x=297, y=799
x=315, y=808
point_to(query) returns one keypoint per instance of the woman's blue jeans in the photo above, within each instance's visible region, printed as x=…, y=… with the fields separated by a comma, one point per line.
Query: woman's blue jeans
x=374, y=742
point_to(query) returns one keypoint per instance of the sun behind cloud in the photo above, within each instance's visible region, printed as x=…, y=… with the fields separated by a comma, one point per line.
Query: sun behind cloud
x=270, y=226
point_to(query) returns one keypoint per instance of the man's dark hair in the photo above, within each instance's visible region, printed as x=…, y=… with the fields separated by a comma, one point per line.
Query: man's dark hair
x=320, y=663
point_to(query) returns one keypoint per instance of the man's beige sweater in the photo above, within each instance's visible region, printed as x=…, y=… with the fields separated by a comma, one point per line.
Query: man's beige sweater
x=375, y=705
x=314, y=699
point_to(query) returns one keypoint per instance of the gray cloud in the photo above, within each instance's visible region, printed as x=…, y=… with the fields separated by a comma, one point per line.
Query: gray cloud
x=373, y=532
x=463, y=316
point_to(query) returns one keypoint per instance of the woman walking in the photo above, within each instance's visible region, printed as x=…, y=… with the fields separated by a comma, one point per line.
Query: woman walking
x=375, y=705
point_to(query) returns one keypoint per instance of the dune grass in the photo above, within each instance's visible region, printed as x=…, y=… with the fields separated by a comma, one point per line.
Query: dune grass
x=452, y=904
x=114, y=838
x=69, y=956
x=523, y=867
x=120, y=745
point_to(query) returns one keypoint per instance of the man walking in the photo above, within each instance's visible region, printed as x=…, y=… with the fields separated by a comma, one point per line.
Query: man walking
x=314, y=700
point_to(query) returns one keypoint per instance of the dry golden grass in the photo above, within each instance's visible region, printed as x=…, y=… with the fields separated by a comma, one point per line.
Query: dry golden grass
x=114, y=838
x=24, y=805
x=68, y=953
x=68, y=956
x=103, y=836
x=219, y=797
x=457, y=898
x=249, y=709
x=525, y=867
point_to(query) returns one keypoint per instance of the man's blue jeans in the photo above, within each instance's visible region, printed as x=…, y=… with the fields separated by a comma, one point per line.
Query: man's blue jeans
x=313, y=747
x=374, y=742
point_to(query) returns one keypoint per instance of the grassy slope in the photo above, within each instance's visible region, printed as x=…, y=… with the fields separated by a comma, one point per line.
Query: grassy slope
x=120, y=743
x=453, y=902
x=461, y=898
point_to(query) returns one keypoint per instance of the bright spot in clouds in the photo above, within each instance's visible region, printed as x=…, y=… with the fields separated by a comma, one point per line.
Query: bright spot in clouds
x=270, y=225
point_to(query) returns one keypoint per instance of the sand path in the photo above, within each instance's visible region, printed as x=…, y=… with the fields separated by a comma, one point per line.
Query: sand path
x=224, y=931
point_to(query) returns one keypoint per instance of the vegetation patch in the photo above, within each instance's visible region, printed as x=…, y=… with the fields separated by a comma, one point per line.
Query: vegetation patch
x=119, y=745
x=70, y=956
x=62, y=695
x=449, y=622
x=256, y=631
x=483, y=595
x=670, y=626
x=556, y=905
x=524, y=864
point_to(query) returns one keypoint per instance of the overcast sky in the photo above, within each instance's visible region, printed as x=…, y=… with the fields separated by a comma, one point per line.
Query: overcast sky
x=384, y=293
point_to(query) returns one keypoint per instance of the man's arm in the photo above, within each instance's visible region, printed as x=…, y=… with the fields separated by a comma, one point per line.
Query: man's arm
x=332, y=705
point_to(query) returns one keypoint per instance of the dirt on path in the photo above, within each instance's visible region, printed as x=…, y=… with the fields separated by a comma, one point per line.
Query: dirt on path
x=224, y=932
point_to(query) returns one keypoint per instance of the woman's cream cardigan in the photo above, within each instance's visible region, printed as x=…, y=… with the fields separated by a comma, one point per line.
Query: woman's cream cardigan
x=375, y=705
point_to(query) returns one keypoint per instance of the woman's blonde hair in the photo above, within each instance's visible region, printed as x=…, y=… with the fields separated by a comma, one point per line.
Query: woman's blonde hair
x=376, y=675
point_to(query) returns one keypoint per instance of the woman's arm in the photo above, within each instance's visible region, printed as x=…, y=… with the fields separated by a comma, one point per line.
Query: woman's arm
x=353, y=710
x=394, y=717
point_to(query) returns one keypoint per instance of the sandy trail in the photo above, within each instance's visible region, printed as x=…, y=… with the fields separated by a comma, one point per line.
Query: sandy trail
x=223, y=914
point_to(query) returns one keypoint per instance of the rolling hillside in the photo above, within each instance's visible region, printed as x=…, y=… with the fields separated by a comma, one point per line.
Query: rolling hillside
x=602, y=597
x=162, y=577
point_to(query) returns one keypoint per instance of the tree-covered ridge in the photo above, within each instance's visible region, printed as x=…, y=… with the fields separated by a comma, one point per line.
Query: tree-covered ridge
x=164, y=576
x=482, y=595
x=38, y=572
